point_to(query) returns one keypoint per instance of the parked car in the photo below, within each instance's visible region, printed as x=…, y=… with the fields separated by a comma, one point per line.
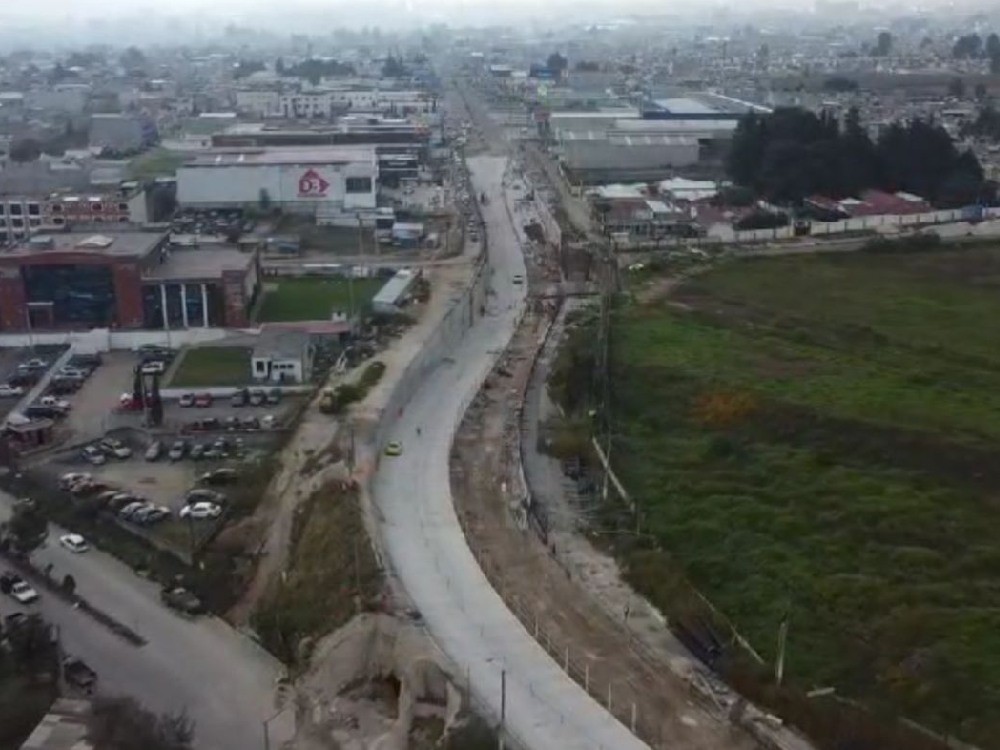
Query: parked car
x=127, y=511
x=115, y=448
x=17, y=588
x=268, y=422
x=197, y=452
x=182, y=600
x=66, y=481
x=10, y=391
x=186, y=400
x=394, y=448
x=257, y=397
x=39, y=411
x=202, y=495
x=201, y=511
x=72, y=372
x=219, y=477
x=74, y=543
x=87, y=361
x=250, y=423
x=55, y=403
x=231, y=423
x=154, y=450
x=93, y=455
x=239, y=398
x=274, y=396
x=177, y=450
x=154, y=367
x=32, y=365
x=79, y=675
x=203, y=400
x=63, y=386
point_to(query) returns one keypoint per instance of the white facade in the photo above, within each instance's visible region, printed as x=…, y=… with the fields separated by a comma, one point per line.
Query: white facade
x=259, y=103
x=324, y=103
x=308, y=181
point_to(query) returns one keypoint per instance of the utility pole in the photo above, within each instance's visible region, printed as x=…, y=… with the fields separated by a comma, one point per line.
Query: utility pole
x=779, y=664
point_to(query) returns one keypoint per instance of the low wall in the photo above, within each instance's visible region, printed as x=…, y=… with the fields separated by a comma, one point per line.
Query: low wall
x=104, y=339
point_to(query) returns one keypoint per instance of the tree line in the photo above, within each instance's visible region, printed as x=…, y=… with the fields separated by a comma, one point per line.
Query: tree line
x=792, y=153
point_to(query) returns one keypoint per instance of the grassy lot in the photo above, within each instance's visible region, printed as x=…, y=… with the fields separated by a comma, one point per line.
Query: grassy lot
x=332, y=574
x=817, y=436
x=208, y=366
x=315, y=299
x=327, y=239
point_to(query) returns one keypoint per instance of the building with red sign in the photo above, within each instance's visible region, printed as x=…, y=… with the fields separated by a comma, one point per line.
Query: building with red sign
x=323, y=181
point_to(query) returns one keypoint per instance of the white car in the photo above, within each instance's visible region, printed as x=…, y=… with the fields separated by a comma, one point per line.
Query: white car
x=116, y=448
x=154, y=368
x=74, y=543
x=200, y=511
x=10, y=391
x=73, y=478
x=55, y=403
x=93, y=455
x=18, y=589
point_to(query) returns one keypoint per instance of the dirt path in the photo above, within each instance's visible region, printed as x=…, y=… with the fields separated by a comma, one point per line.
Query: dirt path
x=545, y=596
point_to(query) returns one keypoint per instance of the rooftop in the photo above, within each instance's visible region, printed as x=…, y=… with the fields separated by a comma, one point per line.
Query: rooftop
x=227, y=157
x=685, y=105
x=190, y=264
x=280, y=344
x=117, y=245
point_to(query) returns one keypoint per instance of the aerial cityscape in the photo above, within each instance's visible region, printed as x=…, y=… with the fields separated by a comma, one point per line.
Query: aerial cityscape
x=547, y=376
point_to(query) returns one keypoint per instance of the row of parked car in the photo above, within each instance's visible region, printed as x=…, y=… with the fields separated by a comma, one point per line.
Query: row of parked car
x=214, y=424
x=216, y=450
x=242, y=397
x=97, y=454
x=199, y=503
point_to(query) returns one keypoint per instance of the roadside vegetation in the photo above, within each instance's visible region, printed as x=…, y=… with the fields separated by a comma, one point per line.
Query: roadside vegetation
x=815, y=438
x=332, y=574
x=316, y=299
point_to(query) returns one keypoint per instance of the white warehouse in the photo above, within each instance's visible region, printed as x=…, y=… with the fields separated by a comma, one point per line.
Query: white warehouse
x=321, y=181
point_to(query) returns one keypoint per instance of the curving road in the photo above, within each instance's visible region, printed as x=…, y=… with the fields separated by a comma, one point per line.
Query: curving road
x=544, y=708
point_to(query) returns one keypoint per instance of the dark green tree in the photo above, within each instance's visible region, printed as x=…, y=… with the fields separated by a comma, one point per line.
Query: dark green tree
x=25, y=150
x=956, y=88
x=123, y=724
x=27, y=527
x=967, y=46
x=993, y=45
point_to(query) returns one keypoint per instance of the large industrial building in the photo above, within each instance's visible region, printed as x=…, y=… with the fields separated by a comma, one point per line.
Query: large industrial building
x=666, y=135
x=317, y=181
x=127, y=280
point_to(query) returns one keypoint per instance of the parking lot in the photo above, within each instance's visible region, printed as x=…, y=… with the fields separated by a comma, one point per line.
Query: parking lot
x=10, y=358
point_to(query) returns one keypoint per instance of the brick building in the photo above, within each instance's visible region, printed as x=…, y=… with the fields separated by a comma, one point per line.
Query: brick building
x=128, y=280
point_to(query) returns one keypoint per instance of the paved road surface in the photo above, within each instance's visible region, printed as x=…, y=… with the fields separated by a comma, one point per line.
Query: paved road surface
x=544, y=707
x=222, y=679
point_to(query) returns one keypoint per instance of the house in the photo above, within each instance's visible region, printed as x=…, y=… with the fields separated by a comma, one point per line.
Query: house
x=282, y=356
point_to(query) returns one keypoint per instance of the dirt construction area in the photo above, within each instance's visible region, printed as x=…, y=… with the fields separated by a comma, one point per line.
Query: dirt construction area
x=574, y=629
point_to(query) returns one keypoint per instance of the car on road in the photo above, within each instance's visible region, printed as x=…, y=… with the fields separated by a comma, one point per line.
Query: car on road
x=73, y=373
x=74, y=543
x=257, y=397
x=182, y=600
x=10, y=391
x=394, y=448
x=239, y=398
x=154, y=367
x=203, y=400
x=17, y=588
x=154, y=450
x=201, y=511
x=116, y=448
x=79, y=675
x=186, y=400
x=93, y=455
x=177, y=450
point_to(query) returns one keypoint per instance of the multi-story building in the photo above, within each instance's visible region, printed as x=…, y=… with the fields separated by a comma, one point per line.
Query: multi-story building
x=127, y=280
x=22, y=216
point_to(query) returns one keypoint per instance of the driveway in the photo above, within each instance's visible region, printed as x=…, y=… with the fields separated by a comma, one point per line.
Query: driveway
x=544, y=707
x=224, y=681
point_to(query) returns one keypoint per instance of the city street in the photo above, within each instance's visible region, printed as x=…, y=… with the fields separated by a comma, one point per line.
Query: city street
x=223, y=680
x=541, y=705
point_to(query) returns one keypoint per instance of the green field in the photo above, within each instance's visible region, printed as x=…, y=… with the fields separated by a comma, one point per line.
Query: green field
x=208, y=366
x=156, y=163
x=315, y=299
x=819, y=436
